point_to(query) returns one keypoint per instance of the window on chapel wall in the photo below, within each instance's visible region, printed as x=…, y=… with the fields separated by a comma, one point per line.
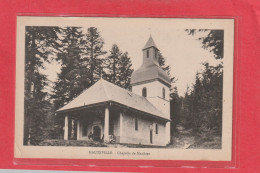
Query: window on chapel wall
x=144, y=92
x=156, y=128
x=147, y=53
x=163, y=93
x=136, y=124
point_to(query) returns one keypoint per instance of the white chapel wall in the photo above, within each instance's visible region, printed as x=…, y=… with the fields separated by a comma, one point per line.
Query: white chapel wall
x=142, y=135
x=155, y=95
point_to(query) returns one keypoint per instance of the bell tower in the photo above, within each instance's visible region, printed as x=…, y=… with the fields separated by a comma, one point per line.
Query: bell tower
x=150, y=52
x=152, y=82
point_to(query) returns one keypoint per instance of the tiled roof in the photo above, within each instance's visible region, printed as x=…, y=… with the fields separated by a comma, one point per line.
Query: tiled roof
x=150, y=43
x=103, y=91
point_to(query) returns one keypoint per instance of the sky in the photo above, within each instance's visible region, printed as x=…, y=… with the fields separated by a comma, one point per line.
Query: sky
x=183, y=52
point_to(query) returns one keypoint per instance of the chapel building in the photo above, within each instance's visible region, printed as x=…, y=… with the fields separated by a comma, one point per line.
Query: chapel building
x=108, y=113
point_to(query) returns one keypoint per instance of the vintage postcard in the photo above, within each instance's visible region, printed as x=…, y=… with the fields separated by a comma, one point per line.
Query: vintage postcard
x=124, y=88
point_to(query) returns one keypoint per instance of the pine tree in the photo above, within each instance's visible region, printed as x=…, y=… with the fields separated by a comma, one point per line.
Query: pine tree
x=125, y=70
x=187, y=109
x=195, y=104
x=39, y=43
x=81, y=66
x=165, y=67
x=93, y=53
x=207, y=92
x=118, y=67
x=203, y=105
x=214, y=41
x=212, y=81
x=112, y=65
x=70, y=82
x=175, y=109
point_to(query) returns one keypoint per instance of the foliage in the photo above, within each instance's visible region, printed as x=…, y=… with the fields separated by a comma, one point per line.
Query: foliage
x=112, y=65
x=118, y=67
x=125, y=70
x=167, y=68
x=40, y=42
x=81, y=63
x=175, y=109
x=214, y=41
x=93, y=50
x=202, y=104
x=70, y=83
x=81, y=67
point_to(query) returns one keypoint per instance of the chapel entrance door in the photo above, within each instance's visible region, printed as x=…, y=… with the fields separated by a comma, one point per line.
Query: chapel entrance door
x=96, y=133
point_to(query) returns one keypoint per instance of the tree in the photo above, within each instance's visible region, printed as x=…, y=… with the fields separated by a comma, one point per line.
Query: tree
x=81, y=67
x=212, y=82
x=93, y=61
x=70, y=82
x=205, y=99
x=204, y=113
x=71, y=79
x=39, y=43
x=81, y=64
x=125, y=70
x=175, y=109
x=118, y=68
x=213, y=41
x=165, y=67
x=112, y=65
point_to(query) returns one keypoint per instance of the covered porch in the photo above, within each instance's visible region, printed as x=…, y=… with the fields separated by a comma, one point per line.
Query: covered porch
x=95, y=123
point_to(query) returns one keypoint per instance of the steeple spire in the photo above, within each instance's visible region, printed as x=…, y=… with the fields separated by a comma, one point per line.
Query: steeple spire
x=150, y=43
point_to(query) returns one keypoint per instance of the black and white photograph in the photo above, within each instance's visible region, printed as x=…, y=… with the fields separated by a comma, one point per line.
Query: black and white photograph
x=124, y=88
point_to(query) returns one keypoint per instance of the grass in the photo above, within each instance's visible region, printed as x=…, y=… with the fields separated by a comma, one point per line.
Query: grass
x=208, y=142
x=186, y=139
x=83, y=143
x=77, y=143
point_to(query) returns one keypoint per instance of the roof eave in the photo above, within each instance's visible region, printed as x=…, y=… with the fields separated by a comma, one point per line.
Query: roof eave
x=108, y=103
x=151, y=80
x=150, y=47
x=122, y=105
x=82, y=107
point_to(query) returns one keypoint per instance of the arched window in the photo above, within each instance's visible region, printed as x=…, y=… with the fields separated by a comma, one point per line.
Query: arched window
x=147, y=53
x=163, y=93
x=144, y=92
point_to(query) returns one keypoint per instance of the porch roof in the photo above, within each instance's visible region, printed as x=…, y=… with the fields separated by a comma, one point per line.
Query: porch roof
x=104, y=91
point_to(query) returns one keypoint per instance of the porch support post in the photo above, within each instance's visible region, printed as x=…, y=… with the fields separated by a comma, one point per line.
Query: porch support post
x=121, y=127
x=66, y=128
x=106, y=125
x=78, y=129
x=168, y=132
